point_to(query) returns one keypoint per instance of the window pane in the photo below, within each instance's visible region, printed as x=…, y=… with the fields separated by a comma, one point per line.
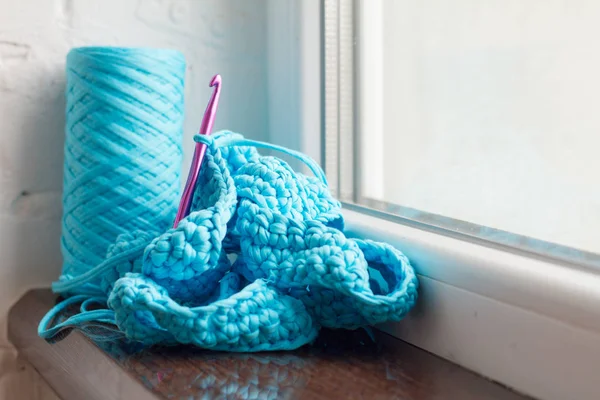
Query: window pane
x=485, y=111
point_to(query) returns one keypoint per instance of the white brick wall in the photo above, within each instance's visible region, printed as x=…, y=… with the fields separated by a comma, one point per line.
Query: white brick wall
x=224, y=36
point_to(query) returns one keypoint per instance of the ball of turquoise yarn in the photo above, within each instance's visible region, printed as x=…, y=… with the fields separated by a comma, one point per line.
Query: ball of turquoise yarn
x=123, y=154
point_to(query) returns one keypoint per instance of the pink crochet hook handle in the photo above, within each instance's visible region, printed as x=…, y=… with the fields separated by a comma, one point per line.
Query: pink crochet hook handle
x=205, y=129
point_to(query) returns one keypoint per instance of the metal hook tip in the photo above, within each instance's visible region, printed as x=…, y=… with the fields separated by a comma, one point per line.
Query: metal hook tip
x=216, y=80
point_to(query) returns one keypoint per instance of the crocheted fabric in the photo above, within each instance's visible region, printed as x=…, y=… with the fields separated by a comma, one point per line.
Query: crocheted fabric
x=261, y=262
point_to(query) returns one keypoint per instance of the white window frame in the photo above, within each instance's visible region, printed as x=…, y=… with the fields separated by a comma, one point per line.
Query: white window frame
x=525, y=321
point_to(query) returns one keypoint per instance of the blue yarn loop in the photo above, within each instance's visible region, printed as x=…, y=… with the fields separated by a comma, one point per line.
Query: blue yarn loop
x=235, y=139
x=95, y=323
x=260, y=263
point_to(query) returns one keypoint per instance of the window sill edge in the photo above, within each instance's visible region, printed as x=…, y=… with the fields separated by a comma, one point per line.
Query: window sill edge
x=530, y=324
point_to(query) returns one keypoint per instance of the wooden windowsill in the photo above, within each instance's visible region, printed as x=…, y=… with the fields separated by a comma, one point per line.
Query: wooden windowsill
x=341, y=364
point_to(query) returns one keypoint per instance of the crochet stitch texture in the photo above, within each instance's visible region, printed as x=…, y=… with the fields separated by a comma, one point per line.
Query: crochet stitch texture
x=261, y=263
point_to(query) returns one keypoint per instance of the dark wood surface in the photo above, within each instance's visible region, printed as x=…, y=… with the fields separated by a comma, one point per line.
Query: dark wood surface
x=340, y=365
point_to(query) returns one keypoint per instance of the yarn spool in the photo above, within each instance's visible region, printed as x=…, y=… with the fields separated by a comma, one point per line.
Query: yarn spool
x=123, y=154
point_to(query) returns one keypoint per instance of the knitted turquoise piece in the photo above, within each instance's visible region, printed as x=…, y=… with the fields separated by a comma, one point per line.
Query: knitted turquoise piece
x=122, y=150
x=294, y=270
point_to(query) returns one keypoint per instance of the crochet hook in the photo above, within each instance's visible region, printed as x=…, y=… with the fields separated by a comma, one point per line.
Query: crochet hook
x=205, y=129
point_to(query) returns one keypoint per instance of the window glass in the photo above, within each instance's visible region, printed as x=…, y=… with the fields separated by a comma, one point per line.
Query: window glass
x=483, y=111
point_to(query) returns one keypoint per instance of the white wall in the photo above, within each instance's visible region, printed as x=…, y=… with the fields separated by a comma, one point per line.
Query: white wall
x=217, y=36
x=490, y=113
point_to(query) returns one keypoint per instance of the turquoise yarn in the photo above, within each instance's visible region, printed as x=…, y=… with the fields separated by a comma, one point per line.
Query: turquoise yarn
x=294, y=270
x=122, y=150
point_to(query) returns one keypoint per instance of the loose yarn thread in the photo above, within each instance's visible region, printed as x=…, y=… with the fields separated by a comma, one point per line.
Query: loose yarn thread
x=122, y=150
